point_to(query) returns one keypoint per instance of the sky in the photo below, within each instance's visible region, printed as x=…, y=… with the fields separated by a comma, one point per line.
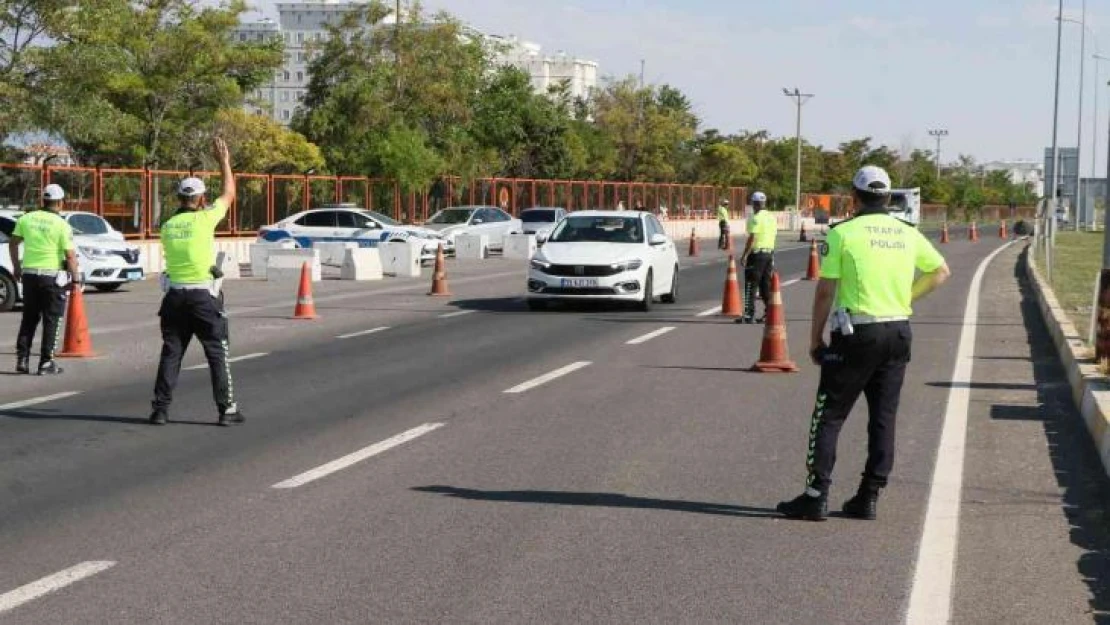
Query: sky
x=890, y=69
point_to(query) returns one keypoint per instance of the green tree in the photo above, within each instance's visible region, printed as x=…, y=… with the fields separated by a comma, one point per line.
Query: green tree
x=129, y=81
x=647, y=127
x=259, y=144
x=726, y=165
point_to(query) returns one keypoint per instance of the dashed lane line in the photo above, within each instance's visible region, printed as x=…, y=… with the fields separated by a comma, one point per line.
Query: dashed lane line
x=548, y=377
x=650, y=335
x=354, y=458
x=709, y=313
x=38, y=400
x=231, y=360
x=57, y=581
x=458, y=313
x=363, y=333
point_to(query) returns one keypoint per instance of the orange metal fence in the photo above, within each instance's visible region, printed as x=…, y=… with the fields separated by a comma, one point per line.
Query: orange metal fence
x=134, y=200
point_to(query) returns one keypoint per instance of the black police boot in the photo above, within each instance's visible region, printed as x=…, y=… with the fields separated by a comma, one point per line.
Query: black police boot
x=864, y=505
x=805, y=507
x=231, y=416
x=49, y=367
x=23, y=364
x=158, y=416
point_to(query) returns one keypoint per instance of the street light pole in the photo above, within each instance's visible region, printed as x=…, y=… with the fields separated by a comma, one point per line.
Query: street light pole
x=939, y=133
x=800, y=99
x=1102, y=336
x=1079, y=139
x=1056, y=115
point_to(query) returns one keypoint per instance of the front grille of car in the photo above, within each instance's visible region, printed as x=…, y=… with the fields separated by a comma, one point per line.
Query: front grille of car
x=131, y=256
x=589, y=271
x=579, y=291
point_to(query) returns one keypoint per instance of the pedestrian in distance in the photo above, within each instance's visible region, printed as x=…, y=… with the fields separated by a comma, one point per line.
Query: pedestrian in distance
x=722, y=224
x=758, y=258
x=47, y=271
x=192, y=305
x=874, y=267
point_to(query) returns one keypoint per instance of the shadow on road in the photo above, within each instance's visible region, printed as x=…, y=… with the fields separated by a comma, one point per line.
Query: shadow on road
x=53, y=415
x=601, y=500
x=1079, y=472
x=985, y=386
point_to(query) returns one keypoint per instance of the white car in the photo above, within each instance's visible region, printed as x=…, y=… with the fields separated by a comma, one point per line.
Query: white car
x=349, y=224
x=104, y=257
x=477, y=220
x=605, y=255
x=541, y=220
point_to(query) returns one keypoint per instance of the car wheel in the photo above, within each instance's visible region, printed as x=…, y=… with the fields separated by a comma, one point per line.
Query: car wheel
x=107, y=288
x=8, y=292
x=536, y=304
x=649, y=295
x=672, y=297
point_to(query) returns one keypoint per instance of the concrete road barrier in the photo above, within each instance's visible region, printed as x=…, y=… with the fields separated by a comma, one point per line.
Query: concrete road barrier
x=471, y=246
x=520, y=246
x=229, y=265
x=286, y=264
x=260, y=254
x=333, y=254
x=401, y=258
x=361, y=264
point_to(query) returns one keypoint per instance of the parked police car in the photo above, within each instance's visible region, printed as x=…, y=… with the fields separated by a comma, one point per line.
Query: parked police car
x=346, y=223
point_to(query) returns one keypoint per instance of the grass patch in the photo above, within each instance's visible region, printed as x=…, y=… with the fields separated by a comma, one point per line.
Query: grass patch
x=1076, y=263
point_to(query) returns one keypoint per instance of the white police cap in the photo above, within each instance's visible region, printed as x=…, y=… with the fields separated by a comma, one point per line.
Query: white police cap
x=191, y=187
x=53, y=193
x=758, y=196
x=872, y=179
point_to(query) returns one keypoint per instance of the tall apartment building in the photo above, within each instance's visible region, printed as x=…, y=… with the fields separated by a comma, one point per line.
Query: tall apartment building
x=300, y=23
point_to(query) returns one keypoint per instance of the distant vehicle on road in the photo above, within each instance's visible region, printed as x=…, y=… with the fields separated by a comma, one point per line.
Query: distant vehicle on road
x=346, y=223
x=905, y=204
x=605, y=255
x=477, y=220
x=106, y=260
x=541, y=220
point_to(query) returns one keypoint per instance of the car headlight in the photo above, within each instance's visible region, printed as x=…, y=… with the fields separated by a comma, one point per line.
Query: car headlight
x=628, y=265
x=95, y=252
x=540, y=264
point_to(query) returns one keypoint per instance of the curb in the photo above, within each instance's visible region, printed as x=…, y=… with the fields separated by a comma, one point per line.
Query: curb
x=1089, y=388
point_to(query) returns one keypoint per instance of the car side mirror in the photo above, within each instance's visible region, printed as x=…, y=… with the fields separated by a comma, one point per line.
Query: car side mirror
x=658, y=239
x=540, y=238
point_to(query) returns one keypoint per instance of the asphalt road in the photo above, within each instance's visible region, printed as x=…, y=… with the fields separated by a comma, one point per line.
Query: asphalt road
x=629, y=476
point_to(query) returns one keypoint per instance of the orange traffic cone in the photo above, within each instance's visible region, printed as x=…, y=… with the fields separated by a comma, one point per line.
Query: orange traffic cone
x=774, y=357
x=973, y=232
x=814, y=270
x=693, y=242
x=306, y=308
x=944, y=233
x=439, y=276
x=732, y=305
x=1002, y=230
x=77, y=344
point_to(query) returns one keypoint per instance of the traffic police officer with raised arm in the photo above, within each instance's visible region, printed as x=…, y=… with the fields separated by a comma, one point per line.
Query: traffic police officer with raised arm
x=758, y=258
x=47, y=270
x=722, y=224
x=192, y=306
x=870, y=269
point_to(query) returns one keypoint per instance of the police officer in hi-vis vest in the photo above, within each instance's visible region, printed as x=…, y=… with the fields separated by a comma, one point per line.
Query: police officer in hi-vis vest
x=47, y=270
x=873, y=268
x=192, y=306
x=758, y=258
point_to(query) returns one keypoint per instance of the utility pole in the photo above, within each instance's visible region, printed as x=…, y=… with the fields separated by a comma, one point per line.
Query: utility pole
x=1056, y=117
x=939, y=133
x=799, y=99
x=1079, y=140
x=642, y=64
x=1094, y=122
x=1102, y=336
x=397, y=47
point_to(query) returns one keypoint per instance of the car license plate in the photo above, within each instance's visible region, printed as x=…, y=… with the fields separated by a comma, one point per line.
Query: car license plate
x=578, y=283
x=134, y=274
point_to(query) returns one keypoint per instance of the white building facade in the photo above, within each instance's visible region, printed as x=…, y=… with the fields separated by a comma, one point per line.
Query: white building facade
x=1021, y=172
x=301, y=23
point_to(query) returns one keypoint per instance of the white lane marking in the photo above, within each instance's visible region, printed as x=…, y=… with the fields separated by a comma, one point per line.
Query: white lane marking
x=38, y=400
x=709, y=313
x=458, y=313
x=49, y=584
x=358, y=456
x=338, y=297
x=230, y=360
x=650, y=335
x=547, y=377
x=791, y=282
x=363, y=333
x=931, y=594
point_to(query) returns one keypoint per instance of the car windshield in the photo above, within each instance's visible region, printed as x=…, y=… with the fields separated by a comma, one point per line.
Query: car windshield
x=599, y=229
x=452, y=216
x=898, y=203
x=380, y=218
x=538, y=215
